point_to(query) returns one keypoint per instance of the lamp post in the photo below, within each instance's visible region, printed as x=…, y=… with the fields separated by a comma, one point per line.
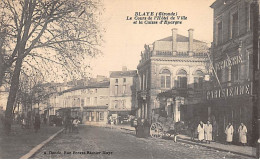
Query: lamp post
x=255, y=79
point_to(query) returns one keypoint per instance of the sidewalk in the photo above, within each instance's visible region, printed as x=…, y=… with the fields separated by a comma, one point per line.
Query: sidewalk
x=21, y=141
x=242, y=150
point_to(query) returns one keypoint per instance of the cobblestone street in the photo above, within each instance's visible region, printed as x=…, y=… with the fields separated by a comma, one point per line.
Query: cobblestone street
x=97, y=142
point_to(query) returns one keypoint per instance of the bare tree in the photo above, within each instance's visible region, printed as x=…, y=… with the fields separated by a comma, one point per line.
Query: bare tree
x=47, y=36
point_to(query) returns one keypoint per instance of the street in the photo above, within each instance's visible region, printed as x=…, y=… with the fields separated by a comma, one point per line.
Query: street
x=105, y=143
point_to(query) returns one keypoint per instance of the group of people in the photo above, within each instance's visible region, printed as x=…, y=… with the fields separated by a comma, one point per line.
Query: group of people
x=205, y=133
x=242, y=131
x=71, y=124
x=25, y=122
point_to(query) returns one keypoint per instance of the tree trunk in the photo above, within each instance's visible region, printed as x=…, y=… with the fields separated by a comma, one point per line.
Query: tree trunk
x=12, y=95
x=2, y=69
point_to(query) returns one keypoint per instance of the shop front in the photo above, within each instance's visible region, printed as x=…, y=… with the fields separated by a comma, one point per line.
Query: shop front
x=94, y=115
x=231, y=104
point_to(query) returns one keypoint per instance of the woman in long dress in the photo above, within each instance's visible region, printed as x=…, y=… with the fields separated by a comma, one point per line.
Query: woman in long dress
x=242, y=131
x=200, y=130
x=229, y=132
x=208, y=132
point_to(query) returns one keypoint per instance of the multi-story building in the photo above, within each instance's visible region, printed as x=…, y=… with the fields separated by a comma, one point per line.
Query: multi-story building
x=173, y=64
x=122, y=97
x=230, y=98
x=88, y=102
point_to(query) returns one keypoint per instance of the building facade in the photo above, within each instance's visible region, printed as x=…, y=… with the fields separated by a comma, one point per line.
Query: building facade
x=176, y=64
x=89, y=102
x=122, y=94
x=230, y=97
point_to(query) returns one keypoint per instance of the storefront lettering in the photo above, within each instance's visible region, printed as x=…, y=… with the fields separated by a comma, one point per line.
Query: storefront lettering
x=229, y=62
x=232, y=91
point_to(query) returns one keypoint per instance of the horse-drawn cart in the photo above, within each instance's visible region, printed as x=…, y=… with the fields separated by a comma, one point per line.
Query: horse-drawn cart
x=161, y=127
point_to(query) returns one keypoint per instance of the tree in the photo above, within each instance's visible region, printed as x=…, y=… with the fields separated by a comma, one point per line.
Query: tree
x=47, y=36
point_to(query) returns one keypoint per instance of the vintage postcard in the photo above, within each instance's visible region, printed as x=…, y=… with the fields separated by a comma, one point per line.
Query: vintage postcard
x=129, y=79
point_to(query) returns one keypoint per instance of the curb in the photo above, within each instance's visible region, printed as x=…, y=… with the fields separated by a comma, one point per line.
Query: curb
x=38, y=147
x=219, y=149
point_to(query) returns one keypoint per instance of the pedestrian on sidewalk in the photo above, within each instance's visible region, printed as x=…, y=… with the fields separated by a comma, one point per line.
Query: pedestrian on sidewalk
x=242, y=131
x=229, y=133
x=37, y=123
x=208, y=132
x=75, y=125
x=200, y=130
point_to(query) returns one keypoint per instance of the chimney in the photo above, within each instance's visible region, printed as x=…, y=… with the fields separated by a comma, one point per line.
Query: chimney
x=174, y=41
x=190, y=50
x=124, y=68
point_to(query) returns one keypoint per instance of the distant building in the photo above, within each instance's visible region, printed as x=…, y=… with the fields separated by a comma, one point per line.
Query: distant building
x=175, y=65
x=88, y=102
x=122, y=93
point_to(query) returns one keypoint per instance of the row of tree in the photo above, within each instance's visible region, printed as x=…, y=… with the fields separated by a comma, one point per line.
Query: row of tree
x=45, y=38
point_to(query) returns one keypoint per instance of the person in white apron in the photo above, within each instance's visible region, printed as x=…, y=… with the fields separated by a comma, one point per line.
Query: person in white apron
x=200, y=130
x=208, y=132
x=242, y=131
x=229, y=133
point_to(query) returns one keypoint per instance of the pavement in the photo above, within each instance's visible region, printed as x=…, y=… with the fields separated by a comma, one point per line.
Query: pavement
x=242, y=150
x=110, y=143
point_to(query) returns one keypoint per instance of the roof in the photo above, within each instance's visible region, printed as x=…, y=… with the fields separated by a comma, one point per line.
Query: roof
x=118, y=74
x=180, y=38
x=91, y=85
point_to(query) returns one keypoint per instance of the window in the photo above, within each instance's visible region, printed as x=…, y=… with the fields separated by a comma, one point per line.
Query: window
x=198, y=79
x=116, y=81
x=115, y=104
x=234, y=25
x=91, y=101
x=165, y=78
x=101, y=116
x=116, y=90
x=95, y=101
x=182, y=79
x=124, y=89
x=124, y=80
x=249, y=14
x=88, y=100
x=234, y=73
x=123, y=104
x=82, y=102
x=219, y=33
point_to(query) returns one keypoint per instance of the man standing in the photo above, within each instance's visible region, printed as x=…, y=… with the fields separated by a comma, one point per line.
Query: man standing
x=200, y=130
x=208, y=132
x=242, y=131
x=229, y=132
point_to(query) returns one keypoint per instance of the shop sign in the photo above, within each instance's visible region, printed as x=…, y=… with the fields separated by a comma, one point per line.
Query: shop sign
x=229, y=62
x=229, y=92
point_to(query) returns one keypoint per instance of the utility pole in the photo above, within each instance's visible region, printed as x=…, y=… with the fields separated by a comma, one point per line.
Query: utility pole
x=255, y=117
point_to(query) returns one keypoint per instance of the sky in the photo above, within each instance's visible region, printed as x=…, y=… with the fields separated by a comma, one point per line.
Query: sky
x=124, y=40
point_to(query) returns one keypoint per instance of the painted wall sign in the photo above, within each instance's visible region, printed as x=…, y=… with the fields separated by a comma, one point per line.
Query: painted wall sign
x=235, y=60
x=228, y=92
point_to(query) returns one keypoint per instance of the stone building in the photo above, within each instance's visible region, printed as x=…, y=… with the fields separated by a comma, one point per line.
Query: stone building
x=88, y=102
x=177, y=65
x=230, y=97
x=122, y=97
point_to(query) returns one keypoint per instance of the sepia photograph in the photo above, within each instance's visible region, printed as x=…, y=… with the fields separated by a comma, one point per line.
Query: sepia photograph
x=129, y=79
